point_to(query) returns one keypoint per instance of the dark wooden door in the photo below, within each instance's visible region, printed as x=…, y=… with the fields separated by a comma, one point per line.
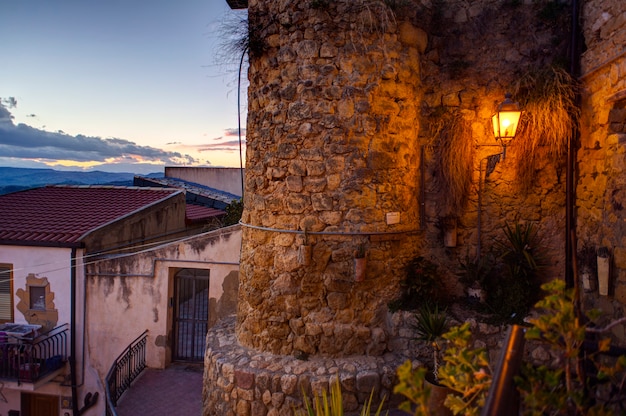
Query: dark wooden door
x=39, y=405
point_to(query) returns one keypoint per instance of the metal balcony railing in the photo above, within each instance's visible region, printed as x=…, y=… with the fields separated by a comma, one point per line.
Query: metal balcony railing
x=130, y=363
x=28, y=360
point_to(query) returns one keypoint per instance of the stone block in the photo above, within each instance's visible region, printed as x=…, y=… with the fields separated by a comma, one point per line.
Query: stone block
x=412, y=36
x=367, y=381
x=315, y=184
x=243, y=408
x=620, y=293
x=294, y=183
x=258, y=408
x=322, y=202
x=288, y=383
x=619, y=257
x=337, y=301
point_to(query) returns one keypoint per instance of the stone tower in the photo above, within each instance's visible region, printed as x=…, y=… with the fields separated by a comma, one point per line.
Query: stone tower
x=331, y=167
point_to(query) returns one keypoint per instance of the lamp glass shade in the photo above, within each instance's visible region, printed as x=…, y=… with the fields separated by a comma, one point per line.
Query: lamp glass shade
x=506, y=119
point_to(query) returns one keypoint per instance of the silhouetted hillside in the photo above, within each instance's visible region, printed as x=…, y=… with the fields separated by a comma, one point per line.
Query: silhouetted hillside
x=17, y=179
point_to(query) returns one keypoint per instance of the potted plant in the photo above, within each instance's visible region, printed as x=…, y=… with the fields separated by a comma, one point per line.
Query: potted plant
x=587, y=266
x=422, y=282
x=464, y=375
x=473, y=273
x=360, y=263
x=431, y=324
x=513, y=292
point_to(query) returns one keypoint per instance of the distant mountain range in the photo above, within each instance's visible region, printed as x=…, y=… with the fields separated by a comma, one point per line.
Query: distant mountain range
x=17, y=179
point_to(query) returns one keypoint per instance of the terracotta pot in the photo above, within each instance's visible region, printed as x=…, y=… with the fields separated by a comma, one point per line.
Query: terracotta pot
x=305, y=254
x=438, y=394
x=360, y=265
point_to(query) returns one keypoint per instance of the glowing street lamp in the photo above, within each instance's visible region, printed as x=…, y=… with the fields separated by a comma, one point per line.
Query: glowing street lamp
x=505, y=121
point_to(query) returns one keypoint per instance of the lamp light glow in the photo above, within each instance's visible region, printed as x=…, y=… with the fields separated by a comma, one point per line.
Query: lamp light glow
x=506, y=120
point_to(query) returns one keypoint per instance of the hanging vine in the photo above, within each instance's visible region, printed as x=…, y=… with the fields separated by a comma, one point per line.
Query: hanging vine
x=548, y=97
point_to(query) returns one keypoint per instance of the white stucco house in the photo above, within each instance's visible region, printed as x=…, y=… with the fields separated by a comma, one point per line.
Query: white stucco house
x=84, y=270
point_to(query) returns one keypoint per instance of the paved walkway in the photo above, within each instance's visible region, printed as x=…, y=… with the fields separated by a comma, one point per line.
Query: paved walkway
x=177, y=390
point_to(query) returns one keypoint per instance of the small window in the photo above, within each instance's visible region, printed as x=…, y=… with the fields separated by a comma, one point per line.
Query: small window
x=37, y=298
x=6, y=298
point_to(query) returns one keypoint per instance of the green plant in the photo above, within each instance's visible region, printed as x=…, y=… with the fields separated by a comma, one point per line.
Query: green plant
x=233, y=213
x=431, y=324
x=464, y=370
x=411, y=385
x=519, y=252
x=422, y=284
x=512, y=293
x=333, y=405
x=476, y=271
x=571, y=387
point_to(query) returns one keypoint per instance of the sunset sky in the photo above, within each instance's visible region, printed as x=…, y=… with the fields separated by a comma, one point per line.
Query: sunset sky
x=118, y=85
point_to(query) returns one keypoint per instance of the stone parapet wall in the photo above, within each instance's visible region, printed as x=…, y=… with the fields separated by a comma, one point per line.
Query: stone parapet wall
x=244, y=382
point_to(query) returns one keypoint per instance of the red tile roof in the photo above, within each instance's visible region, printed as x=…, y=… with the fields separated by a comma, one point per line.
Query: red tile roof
x=63, y=214
x=198, y=213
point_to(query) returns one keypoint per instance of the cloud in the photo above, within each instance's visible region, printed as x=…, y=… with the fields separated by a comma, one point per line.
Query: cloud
x=229, y=145
x=26, y=142
x=234, y=132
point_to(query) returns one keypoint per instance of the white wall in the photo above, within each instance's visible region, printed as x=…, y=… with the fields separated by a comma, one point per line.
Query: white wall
x=224, y=179
x=53, y=263
x=130, y=294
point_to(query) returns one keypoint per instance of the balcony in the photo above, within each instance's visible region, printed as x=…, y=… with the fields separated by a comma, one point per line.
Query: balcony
x=29, y=359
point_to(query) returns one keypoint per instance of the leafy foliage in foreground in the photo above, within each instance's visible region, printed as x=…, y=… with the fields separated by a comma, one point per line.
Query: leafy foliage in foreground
x=333, y=405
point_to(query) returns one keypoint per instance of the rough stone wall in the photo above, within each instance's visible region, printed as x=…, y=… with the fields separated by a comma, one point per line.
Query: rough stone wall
x=601, y=198
x=331, y=148
x=338, y=102
x=477, y=51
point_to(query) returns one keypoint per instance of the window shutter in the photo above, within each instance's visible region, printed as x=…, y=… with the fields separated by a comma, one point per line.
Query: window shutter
x=6, y=304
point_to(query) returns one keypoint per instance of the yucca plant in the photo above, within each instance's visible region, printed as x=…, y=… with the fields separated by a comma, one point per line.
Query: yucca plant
x=333, y=405
x=431, y=324
x=512, y=294
x=520, y=252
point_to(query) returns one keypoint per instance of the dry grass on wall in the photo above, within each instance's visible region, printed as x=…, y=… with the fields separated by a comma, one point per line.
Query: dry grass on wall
x=454, y=147
x=548, y=98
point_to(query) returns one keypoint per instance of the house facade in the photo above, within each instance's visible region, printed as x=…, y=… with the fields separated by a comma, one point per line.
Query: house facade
x=63, y=252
